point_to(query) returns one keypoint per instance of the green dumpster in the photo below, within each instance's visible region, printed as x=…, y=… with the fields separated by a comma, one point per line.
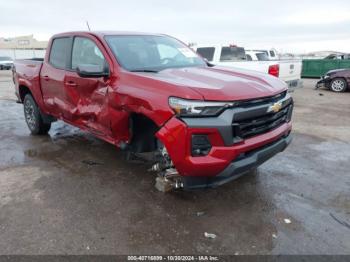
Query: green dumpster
x=318, y=67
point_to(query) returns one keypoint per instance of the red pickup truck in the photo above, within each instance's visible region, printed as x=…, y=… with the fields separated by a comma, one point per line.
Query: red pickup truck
x=142, y=92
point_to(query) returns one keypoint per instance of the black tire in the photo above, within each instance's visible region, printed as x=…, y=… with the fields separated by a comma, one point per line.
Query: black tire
x=33, y=117
x=338, y=85
x=1, y=67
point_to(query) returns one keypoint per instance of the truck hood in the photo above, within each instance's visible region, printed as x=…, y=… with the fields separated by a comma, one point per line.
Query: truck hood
x=221, y=83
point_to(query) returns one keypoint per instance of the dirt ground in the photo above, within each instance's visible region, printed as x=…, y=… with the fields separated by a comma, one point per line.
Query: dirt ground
x=70, y=193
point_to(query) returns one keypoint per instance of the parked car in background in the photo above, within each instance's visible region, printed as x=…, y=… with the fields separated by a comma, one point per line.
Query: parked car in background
x=234, y=56
x=151, y=93
x=6, y=62
x=338, y=56
x=270, y=53
x=336, y=80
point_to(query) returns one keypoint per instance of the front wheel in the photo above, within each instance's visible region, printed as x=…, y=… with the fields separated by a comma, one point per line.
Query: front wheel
x=33, y=117
x=338, y=85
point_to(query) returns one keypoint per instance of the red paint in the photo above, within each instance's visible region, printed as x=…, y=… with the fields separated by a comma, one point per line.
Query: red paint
x=103, y=105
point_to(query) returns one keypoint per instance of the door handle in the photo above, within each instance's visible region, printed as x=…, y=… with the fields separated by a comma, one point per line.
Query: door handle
x=46, y=78
x=71, y=83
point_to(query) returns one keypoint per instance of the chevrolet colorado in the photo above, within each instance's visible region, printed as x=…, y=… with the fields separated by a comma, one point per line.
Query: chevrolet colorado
x=206, y=125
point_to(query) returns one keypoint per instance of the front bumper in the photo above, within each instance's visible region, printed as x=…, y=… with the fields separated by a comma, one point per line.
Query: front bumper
x=239, y=167
x=228, y=157
x=294, y=84
x=325, y=81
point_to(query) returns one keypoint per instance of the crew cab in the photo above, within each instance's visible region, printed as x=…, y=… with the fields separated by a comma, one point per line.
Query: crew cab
x=234, y=56
x=206, y=125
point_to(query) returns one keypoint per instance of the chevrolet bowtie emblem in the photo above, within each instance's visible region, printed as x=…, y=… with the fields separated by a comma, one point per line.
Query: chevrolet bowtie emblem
x=275, y=107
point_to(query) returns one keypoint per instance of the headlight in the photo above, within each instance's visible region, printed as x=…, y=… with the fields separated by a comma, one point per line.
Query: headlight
x=185, y=107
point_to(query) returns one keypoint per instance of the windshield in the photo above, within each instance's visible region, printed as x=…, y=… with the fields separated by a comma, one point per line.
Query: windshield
x=152, y=53
x=5, y=58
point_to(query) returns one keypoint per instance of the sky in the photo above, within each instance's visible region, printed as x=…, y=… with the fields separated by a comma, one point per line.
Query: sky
x=287, y=25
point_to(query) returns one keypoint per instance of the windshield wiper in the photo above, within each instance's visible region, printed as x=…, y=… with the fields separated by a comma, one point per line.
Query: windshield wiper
x=144, y=70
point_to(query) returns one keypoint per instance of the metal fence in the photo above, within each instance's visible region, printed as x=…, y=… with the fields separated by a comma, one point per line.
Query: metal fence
x=23, y=53
x=318, y=67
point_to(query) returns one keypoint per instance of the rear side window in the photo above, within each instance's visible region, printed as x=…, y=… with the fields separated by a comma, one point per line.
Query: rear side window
x=232, y=54
x=249, y=58
x=86, y=52
x=59, y=50
x=262, y=56
x=272, y=53
x=206, y=52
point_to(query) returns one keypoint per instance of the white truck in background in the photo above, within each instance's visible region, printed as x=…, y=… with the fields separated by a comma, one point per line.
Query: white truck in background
x=270, y=53
x=234, y=56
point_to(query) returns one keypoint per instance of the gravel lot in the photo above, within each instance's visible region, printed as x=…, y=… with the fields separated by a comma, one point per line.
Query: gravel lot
x=70, y=193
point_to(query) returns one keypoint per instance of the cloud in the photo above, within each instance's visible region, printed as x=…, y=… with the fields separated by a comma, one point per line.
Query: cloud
x=320, y=17
x=281, y=24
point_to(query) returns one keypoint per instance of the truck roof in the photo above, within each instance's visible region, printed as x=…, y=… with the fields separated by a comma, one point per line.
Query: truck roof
x=104, y=33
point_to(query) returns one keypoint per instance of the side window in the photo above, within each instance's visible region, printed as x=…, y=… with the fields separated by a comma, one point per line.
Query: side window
x=86, y=52
x=206, y=52
x=58, y=54
x=249, y=58
x=272, y=53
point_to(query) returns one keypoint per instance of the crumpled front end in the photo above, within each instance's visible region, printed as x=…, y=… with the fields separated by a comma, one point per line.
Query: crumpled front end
x=210, y=151
x=325, y=81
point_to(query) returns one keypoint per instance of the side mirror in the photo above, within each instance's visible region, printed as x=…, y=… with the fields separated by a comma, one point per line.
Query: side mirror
x=208, y=63
x=95, y=71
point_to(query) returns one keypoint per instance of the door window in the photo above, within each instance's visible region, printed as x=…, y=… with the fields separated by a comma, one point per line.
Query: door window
x=59, y=50
x=86, y=52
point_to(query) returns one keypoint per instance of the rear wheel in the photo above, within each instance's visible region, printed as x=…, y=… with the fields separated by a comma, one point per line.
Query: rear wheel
x=338, y=85
x=33, y=117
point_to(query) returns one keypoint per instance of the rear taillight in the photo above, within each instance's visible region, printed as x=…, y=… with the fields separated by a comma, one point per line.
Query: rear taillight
x=274, y=70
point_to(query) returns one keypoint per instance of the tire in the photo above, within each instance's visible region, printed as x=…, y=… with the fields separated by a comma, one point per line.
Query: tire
x=1, y=67
x=33, y=117
x=338, y=85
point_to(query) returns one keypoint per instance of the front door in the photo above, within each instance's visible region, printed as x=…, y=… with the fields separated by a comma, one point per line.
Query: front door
x=87, y=97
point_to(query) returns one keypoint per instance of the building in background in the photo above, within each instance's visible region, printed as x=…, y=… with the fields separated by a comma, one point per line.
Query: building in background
x=22, y=47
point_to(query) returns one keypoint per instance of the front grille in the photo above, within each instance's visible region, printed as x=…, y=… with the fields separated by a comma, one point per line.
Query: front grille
x=252, y=121
x=260, y=101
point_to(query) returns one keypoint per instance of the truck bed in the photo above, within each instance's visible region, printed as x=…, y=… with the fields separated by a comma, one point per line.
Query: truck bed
x=26, y=72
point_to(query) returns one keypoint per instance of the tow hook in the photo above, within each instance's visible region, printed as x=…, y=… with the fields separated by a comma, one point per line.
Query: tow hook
x=167, y=176
x=168, y=181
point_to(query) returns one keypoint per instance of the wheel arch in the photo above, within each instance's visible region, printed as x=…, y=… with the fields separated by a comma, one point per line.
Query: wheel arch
x=142, y=131
x=23, y=90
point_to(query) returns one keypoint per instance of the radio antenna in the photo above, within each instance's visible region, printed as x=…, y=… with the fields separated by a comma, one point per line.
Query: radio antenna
x=88, y=26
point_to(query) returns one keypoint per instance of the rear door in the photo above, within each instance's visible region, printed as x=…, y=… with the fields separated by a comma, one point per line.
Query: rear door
x=52, y=76
x=87, y=96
